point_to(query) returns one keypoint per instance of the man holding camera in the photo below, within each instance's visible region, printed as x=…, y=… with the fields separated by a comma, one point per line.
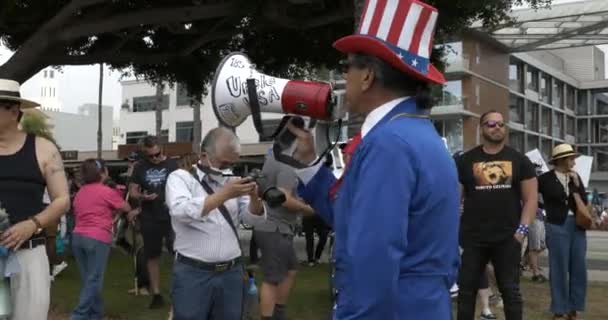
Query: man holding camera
x=275, y=239
x=206, y=204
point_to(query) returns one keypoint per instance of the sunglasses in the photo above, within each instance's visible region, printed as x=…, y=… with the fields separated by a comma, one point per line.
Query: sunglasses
x=156, y=155
x=494, y=124
x=8, y=104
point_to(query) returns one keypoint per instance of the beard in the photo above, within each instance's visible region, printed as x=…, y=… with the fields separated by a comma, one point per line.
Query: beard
x=493, y=139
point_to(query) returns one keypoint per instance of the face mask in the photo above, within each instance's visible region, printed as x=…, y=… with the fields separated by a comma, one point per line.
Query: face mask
x=220, y=176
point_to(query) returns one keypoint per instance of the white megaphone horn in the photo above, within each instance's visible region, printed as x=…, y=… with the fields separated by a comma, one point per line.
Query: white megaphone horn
x=230, y=94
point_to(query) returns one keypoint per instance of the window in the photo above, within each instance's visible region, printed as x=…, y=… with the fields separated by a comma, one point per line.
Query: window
x=477, y=94
x=452, y=93
x=581, y=106
x=134, y=137
x=532, y=79
x=599, y=131
x=516, y=76
x=532, y=117
x=570, y=126
x=546, y=121
x=545, y=89
x=532, y=142
x=570, y=98
x=451, y=129
x=582, y=135
x=601, y=158
x=51, y=74
x=558, y=125
x=516, y=140
x=454, y=52
x=45, y=73
x=164, y=136
x=182, y=95
x=147, y=103
x=602, y=104
x=558, y=94
x=546, y=149
x=184, y=131
x=516, y=109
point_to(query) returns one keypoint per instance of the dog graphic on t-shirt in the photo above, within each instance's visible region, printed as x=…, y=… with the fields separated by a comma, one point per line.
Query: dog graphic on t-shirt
x=493, y=175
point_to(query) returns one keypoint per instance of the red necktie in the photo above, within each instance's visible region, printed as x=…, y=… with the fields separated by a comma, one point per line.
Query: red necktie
x=348, y=149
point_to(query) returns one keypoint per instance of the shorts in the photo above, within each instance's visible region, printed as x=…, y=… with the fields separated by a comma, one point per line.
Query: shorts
x=278, y=255
x=153, y=233
x=536, y=236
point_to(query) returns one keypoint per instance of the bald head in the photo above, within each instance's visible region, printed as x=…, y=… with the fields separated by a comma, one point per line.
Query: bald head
x=220, y=140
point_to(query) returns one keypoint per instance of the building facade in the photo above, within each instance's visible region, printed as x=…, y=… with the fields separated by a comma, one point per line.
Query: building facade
x=548, y=97
x=138, y=117
x=78, y=131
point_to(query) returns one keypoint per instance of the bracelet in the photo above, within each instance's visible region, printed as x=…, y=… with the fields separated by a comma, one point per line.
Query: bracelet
x=523, y=229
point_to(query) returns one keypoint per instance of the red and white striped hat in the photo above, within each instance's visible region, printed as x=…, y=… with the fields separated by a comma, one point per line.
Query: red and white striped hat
x=399, y=32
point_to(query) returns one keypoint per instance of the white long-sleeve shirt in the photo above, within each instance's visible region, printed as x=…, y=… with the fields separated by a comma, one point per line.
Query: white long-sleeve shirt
x=206, y=238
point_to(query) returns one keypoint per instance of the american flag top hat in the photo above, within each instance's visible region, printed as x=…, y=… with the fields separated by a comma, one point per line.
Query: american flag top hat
x=400, y=32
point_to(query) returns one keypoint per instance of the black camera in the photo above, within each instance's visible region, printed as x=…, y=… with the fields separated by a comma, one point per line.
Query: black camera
x=272, y=195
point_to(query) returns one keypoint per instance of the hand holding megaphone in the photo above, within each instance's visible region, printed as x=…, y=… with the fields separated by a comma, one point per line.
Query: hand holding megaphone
x=305, y=149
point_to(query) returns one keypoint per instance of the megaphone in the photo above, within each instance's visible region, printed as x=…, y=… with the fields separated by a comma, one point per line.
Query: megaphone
x=234, y=99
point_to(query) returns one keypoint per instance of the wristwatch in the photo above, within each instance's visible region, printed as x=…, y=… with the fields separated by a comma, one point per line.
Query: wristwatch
x=38, y=225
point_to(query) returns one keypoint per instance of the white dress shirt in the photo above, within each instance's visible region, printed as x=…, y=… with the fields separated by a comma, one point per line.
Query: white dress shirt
x=371, y=120
x=206, y=238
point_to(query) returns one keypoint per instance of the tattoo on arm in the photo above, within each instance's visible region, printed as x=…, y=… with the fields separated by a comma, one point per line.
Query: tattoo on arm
x=55, y=164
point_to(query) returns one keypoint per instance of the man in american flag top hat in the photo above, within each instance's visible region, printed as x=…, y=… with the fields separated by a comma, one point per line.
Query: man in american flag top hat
x=395, y=212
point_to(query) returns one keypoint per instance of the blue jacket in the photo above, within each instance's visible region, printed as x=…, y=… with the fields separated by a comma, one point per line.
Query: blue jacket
x=396, y=220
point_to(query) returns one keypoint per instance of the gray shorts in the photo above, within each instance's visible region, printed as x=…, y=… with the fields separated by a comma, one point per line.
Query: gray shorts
x=536, y=236
x=278, y=255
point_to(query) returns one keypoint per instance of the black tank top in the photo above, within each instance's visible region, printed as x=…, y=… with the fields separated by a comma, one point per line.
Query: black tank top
x=21, y=183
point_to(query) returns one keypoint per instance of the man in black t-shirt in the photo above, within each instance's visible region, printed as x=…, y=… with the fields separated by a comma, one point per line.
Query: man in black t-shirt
x=148, y=186
x=499, y=188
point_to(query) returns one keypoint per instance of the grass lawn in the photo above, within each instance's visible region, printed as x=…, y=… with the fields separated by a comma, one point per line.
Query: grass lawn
x=309, y=301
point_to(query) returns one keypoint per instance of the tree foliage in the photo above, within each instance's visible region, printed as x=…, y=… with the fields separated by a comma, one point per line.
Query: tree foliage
x=184, y=40
x=35, y=122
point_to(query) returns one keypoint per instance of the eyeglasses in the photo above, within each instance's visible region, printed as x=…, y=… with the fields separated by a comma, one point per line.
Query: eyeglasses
x=494, y=124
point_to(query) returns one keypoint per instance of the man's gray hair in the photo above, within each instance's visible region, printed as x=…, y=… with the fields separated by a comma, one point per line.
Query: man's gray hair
x=220, y=135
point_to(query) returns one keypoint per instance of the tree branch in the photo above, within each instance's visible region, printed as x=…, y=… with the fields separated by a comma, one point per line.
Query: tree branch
x=111, y=57
x=147, y=17
x=211, y=35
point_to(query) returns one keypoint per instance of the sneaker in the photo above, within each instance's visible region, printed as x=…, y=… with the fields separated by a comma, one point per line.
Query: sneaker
x=57, y=269
x=539, y=278
x=157, y=302
x=454, y=291
x=140, y=292
x=496, y=300
x=312, y=264
x=488, y=316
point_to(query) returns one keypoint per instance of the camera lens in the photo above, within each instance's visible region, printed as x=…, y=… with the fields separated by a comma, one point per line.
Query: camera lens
x=274, y=197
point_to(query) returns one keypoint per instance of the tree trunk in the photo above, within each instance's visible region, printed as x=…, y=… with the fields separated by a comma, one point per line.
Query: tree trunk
x=197, y=125
x=100, y=113
x=159, y=110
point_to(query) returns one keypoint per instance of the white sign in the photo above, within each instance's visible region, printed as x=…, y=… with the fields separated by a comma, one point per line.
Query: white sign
x=537, y=158
x=583, y=168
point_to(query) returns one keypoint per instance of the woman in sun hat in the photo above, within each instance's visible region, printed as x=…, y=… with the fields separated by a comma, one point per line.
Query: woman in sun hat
x=566, y=242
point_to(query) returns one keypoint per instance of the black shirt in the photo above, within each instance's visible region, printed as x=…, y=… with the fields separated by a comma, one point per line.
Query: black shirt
x=21, y=183
x=152, y=178
x=492, y=194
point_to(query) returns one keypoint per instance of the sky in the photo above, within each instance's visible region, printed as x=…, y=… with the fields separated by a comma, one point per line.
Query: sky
x=79, y=84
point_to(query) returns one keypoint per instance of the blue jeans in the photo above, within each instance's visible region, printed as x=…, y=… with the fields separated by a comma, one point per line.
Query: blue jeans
x=567, y=246
x=199, y=294
x=92, y=257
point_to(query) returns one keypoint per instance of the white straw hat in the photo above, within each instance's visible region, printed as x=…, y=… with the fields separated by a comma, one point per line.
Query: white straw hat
x=9, y=90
